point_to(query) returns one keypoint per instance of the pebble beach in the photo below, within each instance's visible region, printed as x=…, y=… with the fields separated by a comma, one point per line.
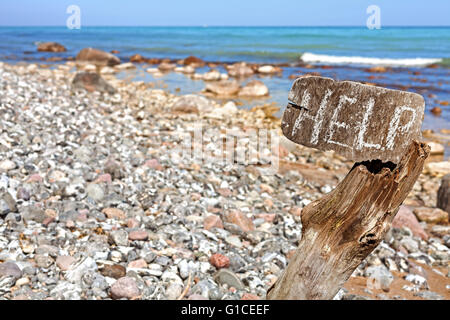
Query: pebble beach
x=94, y=204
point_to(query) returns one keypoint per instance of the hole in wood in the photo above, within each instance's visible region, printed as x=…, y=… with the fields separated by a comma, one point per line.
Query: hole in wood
x=375, y=166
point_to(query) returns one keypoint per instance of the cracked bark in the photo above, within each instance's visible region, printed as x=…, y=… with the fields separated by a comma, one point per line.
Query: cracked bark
x=342, y=228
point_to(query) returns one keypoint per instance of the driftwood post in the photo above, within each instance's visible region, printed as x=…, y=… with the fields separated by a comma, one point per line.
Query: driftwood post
x=378, y=128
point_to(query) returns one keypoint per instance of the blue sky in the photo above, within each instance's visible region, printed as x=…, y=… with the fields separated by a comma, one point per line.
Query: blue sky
x=224, y=12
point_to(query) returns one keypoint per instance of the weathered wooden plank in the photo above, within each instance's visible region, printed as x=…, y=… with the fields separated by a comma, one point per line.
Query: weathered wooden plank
x=359, y=122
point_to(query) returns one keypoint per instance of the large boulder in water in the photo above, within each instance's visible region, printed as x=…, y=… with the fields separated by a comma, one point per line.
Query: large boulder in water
x=91, y=82
x=97, y=57
x=254, y=88
x=137, y=58
x=194, y=61
x=268, y=69
x=51, y=47
x=240, y=70
x=222, y=88
x=167, y=66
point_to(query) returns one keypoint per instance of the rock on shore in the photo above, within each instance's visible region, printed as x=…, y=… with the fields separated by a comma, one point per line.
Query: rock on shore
x=254, y=88
x=240, y=70
x=97, y=57
x=443, y=196
x=91, y=82
x=51, y=47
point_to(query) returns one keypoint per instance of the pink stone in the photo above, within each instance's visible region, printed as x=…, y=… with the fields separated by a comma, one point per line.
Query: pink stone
x=132, y=223
x=249, y=296
x=140, y=263
x=34, y=178
x=219, y=261
x=266, y=188
x=153, y=164
x=138, y=235
x=104, y=178
x=196, y=196
x=268, y=203
x=224, y=192
x=212, y=221
x=48, y=220
x=64, y=262
x=125, y=287
x=83, y=211
x=114, y=213
x=240, y=219
x=82, y=217
x=405, y=218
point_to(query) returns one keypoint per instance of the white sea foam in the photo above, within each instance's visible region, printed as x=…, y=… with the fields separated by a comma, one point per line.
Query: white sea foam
x=322, y=58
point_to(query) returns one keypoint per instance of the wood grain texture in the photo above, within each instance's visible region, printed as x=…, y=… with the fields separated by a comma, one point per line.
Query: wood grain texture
x=342, y=228
x=358, y=121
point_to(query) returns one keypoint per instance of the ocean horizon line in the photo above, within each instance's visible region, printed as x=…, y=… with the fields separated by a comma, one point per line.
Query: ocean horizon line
x=227, y=26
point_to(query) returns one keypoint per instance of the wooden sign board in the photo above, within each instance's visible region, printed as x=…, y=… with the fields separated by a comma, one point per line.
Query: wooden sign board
x=359, y=122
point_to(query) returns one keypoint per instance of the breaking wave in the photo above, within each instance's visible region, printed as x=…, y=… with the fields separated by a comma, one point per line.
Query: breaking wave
x=308, y=57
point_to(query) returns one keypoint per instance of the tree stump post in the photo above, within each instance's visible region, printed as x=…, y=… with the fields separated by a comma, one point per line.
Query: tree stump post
x=341, y=229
